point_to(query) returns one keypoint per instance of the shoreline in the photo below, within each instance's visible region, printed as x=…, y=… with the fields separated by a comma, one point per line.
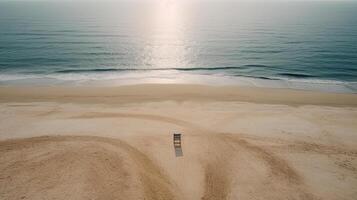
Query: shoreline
x=108, y=79
x=173, y=92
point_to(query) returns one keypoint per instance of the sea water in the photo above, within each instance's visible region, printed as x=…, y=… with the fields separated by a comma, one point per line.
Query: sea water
x=283, y=44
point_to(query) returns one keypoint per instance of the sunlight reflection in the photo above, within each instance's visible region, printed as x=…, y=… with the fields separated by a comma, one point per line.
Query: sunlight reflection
x=167, y=46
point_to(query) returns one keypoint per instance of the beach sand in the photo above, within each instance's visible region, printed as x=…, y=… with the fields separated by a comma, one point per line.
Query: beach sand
x=116, y=143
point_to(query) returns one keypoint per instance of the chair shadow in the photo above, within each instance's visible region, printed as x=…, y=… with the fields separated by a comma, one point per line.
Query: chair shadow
x=178, y=152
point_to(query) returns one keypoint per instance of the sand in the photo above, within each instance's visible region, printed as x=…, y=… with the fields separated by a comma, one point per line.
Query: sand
x=116, y=143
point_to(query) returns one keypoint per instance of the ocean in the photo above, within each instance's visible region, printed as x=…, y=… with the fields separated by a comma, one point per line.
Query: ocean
x=299, y=45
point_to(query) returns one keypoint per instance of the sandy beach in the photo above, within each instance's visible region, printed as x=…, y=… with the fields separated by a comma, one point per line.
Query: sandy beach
x=237, y=143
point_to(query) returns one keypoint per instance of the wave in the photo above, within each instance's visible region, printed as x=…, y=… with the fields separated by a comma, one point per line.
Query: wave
x=297, y=75
x=283, y=76
x=151, y=76
x=156, y=69
x=259, y=77
x=262, y=51
x=64, y=33
x=256, y=71
x=93, y=70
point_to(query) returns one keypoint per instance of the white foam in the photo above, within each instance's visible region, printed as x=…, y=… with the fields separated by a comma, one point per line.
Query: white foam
x=178, y=77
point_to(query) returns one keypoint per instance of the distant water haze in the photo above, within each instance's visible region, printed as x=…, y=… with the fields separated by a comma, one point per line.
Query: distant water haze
x=303, y=45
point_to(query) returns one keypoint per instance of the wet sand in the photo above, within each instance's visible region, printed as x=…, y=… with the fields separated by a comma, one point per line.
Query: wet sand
x=116, y=143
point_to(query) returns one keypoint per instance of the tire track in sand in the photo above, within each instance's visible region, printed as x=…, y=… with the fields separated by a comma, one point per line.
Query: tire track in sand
x=217, y=177
x=78, y=167
x=281, y=178
x=217, y=181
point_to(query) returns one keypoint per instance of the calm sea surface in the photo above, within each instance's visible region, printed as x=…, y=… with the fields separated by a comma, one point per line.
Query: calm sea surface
x=289, y=45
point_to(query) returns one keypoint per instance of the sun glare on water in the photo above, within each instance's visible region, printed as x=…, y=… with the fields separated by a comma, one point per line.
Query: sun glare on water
x=167, y=46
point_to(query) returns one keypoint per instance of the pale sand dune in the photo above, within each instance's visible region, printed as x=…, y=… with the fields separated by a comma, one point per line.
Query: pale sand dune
x=116, y=143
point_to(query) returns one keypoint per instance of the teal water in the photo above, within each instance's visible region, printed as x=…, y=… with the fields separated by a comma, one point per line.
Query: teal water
x=303, y=45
